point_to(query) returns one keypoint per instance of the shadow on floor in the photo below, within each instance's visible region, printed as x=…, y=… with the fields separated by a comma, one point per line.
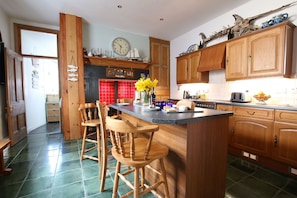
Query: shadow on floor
x=48, y=128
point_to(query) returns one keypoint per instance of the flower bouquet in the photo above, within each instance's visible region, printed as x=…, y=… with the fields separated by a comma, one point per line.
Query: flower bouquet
x=145, y=86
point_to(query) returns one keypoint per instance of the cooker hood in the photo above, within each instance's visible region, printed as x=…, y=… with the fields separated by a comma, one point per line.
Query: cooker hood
x=212, y=58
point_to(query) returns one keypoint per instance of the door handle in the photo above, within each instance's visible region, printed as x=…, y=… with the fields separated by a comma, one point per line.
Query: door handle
x=9, y=108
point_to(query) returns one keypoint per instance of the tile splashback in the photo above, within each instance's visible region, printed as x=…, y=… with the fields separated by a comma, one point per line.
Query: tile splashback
x=282, y=90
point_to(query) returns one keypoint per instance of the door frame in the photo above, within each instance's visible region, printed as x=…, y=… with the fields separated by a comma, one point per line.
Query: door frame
x=18, y=47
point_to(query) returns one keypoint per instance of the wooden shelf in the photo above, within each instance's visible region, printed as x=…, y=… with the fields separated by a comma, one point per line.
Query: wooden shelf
x=115, y=62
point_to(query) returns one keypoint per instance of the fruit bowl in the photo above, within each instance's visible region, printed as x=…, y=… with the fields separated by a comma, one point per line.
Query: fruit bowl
x=262, y=97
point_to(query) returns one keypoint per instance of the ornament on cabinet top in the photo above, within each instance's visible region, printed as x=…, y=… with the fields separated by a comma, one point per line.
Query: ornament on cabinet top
x=242, y=25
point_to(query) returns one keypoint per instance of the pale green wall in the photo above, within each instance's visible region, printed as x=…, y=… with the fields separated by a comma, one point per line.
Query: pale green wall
x=96, y=36
x=4, y=28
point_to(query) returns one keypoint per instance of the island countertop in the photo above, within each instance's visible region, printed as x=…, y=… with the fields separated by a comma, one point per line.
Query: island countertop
x=161, y=117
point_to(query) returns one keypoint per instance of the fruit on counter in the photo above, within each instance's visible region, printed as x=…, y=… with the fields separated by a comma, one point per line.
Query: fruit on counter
x=261, y=96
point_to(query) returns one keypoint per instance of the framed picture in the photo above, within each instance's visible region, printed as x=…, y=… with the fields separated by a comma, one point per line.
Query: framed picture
x=119, y=73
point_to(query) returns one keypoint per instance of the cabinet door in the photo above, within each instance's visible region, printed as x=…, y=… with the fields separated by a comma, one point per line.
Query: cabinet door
x=194, y=75
x=182, y=69
x=266, y=53
x=236, y=59
x=285, y=139
x=252, y=135
x=221, y=107
x=160, y=66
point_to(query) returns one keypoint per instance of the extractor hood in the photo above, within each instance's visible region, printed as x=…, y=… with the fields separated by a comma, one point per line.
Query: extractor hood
x=212, y=58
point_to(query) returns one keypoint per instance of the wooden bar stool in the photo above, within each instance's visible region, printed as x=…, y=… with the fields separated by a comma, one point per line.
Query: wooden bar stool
x=137, y=153
x=102, y=112
x=91, y=133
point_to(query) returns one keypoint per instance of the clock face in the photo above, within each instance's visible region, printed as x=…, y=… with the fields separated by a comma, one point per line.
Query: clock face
x=120, y=46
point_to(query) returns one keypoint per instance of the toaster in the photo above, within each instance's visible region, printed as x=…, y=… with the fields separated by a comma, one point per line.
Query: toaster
x=239, y=97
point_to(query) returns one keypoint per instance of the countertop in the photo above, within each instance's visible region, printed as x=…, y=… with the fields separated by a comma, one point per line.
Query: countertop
x=249, y=104
x=161, y=117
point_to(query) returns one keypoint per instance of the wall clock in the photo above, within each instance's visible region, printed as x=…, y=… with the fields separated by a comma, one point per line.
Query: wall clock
x=120, y=46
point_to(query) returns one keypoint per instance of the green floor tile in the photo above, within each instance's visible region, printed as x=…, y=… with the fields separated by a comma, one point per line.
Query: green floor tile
x=36, y=185
x=74, y=190
x=10, y=191
x=67, y=177
x=69, y=165
x=91, y=171
x=47, y=166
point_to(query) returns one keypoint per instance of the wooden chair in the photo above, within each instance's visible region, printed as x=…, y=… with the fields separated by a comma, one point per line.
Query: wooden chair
x=125, y=100
x=137, y=153
x=102, y=112
x=91, y=133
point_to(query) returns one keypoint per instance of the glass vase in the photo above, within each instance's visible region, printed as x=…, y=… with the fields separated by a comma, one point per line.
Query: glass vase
x=145, y=98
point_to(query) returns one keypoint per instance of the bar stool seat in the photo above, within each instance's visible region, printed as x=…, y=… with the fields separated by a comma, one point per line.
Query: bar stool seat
x=132, y=149
x=91, y=133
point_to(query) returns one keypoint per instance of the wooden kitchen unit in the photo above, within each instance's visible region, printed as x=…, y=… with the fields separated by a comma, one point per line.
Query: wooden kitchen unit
x=186, y=69
x=52, y=110
x=266, y=52
x=160, y=67
x=197, y=159
x=264, y=135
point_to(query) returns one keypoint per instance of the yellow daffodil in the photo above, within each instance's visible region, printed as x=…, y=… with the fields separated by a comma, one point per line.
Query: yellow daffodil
x=146, y=84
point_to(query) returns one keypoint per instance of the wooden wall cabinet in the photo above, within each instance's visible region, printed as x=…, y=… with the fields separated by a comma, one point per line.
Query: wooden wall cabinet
x=261, y=54
x=285, y=137
x=186, y=69
x=160, y=67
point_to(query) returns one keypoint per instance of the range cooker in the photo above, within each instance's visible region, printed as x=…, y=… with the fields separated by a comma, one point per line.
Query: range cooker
x=205, y=104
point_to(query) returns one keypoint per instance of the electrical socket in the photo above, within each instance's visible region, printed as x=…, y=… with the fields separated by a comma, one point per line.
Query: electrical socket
x=294, y=90
x=281, y=91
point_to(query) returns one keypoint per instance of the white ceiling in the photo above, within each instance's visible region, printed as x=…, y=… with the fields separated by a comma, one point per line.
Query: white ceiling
x=135, y=16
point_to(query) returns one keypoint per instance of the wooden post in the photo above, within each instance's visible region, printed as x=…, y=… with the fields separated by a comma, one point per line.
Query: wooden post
x=71, y=74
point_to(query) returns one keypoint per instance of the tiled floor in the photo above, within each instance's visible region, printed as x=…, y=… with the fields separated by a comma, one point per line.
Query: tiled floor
x=44, y=165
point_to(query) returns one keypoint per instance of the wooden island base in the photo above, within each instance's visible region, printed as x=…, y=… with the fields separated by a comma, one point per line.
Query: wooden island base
x=197, y=161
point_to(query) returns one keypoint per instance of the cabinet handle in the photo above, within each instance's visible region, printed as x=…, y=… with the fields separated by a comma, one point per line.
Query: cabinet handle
x=232, y=131
x=251, y=113
x=275, y=141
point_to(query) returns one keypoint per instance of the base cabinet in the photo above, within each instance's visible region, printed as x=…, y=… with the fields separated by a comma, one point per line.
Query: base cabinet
x=285, y=137
x=252, y=135
x=264, y=136
x=52, y=112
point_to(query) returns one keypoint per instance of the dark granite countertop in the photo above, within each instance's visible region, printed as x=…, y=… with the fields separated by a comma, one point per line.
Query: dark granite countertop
x=161, y=117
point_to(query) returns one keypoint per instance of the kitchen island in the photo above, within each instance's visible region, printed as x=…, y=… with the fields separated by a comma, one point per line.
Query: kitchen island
x=197, y=160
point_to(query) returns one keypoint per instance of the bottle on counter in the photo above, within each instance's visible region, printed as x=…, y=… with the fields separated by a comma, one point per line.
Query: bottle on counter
x=153, y=98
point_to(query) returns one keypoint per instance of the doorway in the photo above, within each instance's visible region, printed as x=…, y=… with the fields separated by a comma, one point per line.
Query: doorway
x=39, y=48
